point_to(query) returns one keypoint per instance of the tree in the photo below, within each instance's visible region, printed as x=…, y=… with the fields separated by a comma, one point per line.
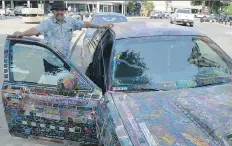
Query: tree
x=131, y=6
x=228, y=9
x=149, y=6
x=196, y=2
x=214, y=6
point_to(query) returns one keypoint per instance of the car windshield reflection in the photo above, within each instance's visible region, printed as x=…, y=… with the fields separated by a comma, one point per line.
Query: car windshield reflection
x=169, y=62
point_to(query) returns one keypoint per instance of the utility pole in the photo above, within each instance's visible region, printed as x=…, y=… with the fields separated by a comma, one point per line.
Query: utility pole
x=166, y=2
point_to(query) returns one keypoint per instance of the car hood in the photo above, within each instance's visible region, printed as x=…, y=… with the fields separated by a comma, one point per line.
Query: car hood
x=196, y=116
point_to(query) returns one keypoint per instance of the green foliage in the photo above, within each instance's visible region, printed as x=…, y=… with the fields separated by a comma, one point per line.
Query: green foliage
x=214, y=6
x=229, y=8
x=131, y=6
x=197, y=2
x=149, y=6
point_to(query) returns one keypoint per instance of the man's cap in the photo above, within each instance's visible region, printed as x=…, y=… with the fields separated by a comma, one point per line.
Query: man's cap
x=58, y=5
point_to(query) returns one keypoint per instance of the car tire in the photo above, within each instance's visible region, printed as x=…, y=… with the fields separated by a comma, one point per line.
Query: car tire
x=171, y=22
x=191, y=25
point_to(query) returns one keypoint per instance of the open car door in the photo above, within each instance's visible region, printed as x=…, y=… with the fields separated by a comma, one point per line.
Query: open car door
x=46, y=97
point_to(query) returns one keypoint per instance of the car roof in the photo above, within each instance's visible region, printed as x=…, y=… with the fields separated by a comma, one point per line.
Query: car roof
x=108, y=13
x=139, y=29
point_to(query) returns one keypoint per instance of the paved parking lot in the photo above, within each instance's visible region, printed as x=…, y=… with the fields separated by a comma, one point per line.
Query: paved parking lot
x=219, y=33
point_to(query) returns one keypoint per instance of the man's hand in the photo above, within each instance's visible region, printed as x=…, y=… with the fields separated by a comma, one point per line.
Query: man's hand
x=18, y=34
x=107, y=25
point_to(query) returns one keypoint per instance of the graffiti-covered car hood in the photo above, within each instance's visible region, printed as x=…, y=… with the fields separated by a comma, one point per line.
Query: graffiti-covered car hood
x=196, y=116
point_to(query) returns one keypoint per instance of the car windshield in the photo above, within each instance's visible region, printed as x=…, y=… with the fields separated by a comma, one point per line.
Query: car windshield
x=183, y=11
x=169, y=62
x=104, y=19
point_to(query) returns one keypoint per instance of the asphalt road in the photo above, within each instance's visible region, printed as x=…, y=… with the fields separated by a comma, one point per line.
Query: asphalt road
x=221, y=34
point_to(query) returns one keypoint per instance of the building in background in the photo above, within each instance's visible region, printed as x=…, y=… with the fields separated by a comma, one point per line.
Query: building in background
x=82, y=6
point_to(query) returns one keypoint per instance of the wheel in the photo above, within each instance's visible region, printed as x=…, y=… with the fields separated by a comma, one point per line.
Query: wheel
x=191, y=25
x=171, y=21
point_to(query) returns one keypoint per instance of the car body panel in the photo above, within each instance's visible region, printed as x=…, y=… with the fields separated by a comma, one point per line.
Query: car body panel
x=37, y=111
x=198, y=116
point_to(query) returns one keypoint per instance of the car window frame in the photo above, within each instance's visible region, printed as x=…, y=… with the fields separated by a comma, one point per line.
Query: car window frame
x=52, y=50
x=95, y=42
x=108, y=72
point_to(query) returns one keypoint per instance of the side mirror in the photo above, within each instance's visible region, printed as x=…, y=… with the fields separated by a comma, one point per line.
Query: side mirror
x=67, y=85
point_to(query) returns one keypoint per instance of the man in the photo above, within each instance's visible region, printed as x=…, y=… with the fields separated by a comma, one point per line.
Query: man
x=58, y=30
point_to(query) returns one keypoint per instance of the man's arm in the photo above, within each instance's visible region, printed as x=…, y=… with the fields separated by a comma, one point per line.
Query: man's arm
x=30, y=32
x=39, y=29
x=87, y=24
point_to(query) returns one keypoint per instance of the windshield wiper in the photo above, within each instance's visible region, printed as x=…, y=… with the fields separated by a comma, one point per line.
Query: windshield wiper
x=152, y=89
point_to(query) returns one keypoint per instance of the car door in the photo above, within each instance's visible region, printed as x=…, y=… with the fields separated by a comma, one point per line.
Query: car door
x=34, y=106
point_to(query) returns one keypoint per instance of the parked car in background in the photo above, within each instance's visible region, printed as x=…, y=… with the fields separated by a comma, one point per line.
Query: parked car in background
x=102, y=18
x=7, y=12
x=199, y=15
x=226, y=19
x=165, y=15
x=182, y=16
x=32, y=15
x=156, y=15
x=205, y=19
x=138, y=90
x=18, y=10
x=212, y=18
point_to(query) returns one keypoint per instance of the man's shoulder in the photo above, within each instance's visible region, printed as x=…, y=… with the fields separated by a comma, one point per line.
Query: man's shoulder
x=69, y=18
x=47, y=20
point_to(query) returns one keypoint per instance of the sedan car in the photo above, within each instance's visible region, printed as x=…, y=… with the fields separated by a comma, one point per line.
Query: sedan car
x=145, y=86
x=166, y=15
x=18, y=10
x=102, y=18
x=7, y=12
x=156, y=15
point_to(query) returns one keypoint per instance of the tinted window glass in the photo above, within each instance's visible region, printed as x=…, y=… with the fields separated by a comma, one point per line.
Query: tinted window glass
x=162, y=59
x=31, y=63
x=104, y=19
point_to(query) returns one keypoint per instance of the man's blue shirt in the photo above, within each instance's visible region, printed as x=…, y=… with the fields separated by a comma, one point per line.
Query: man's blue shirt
x=60, y=35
